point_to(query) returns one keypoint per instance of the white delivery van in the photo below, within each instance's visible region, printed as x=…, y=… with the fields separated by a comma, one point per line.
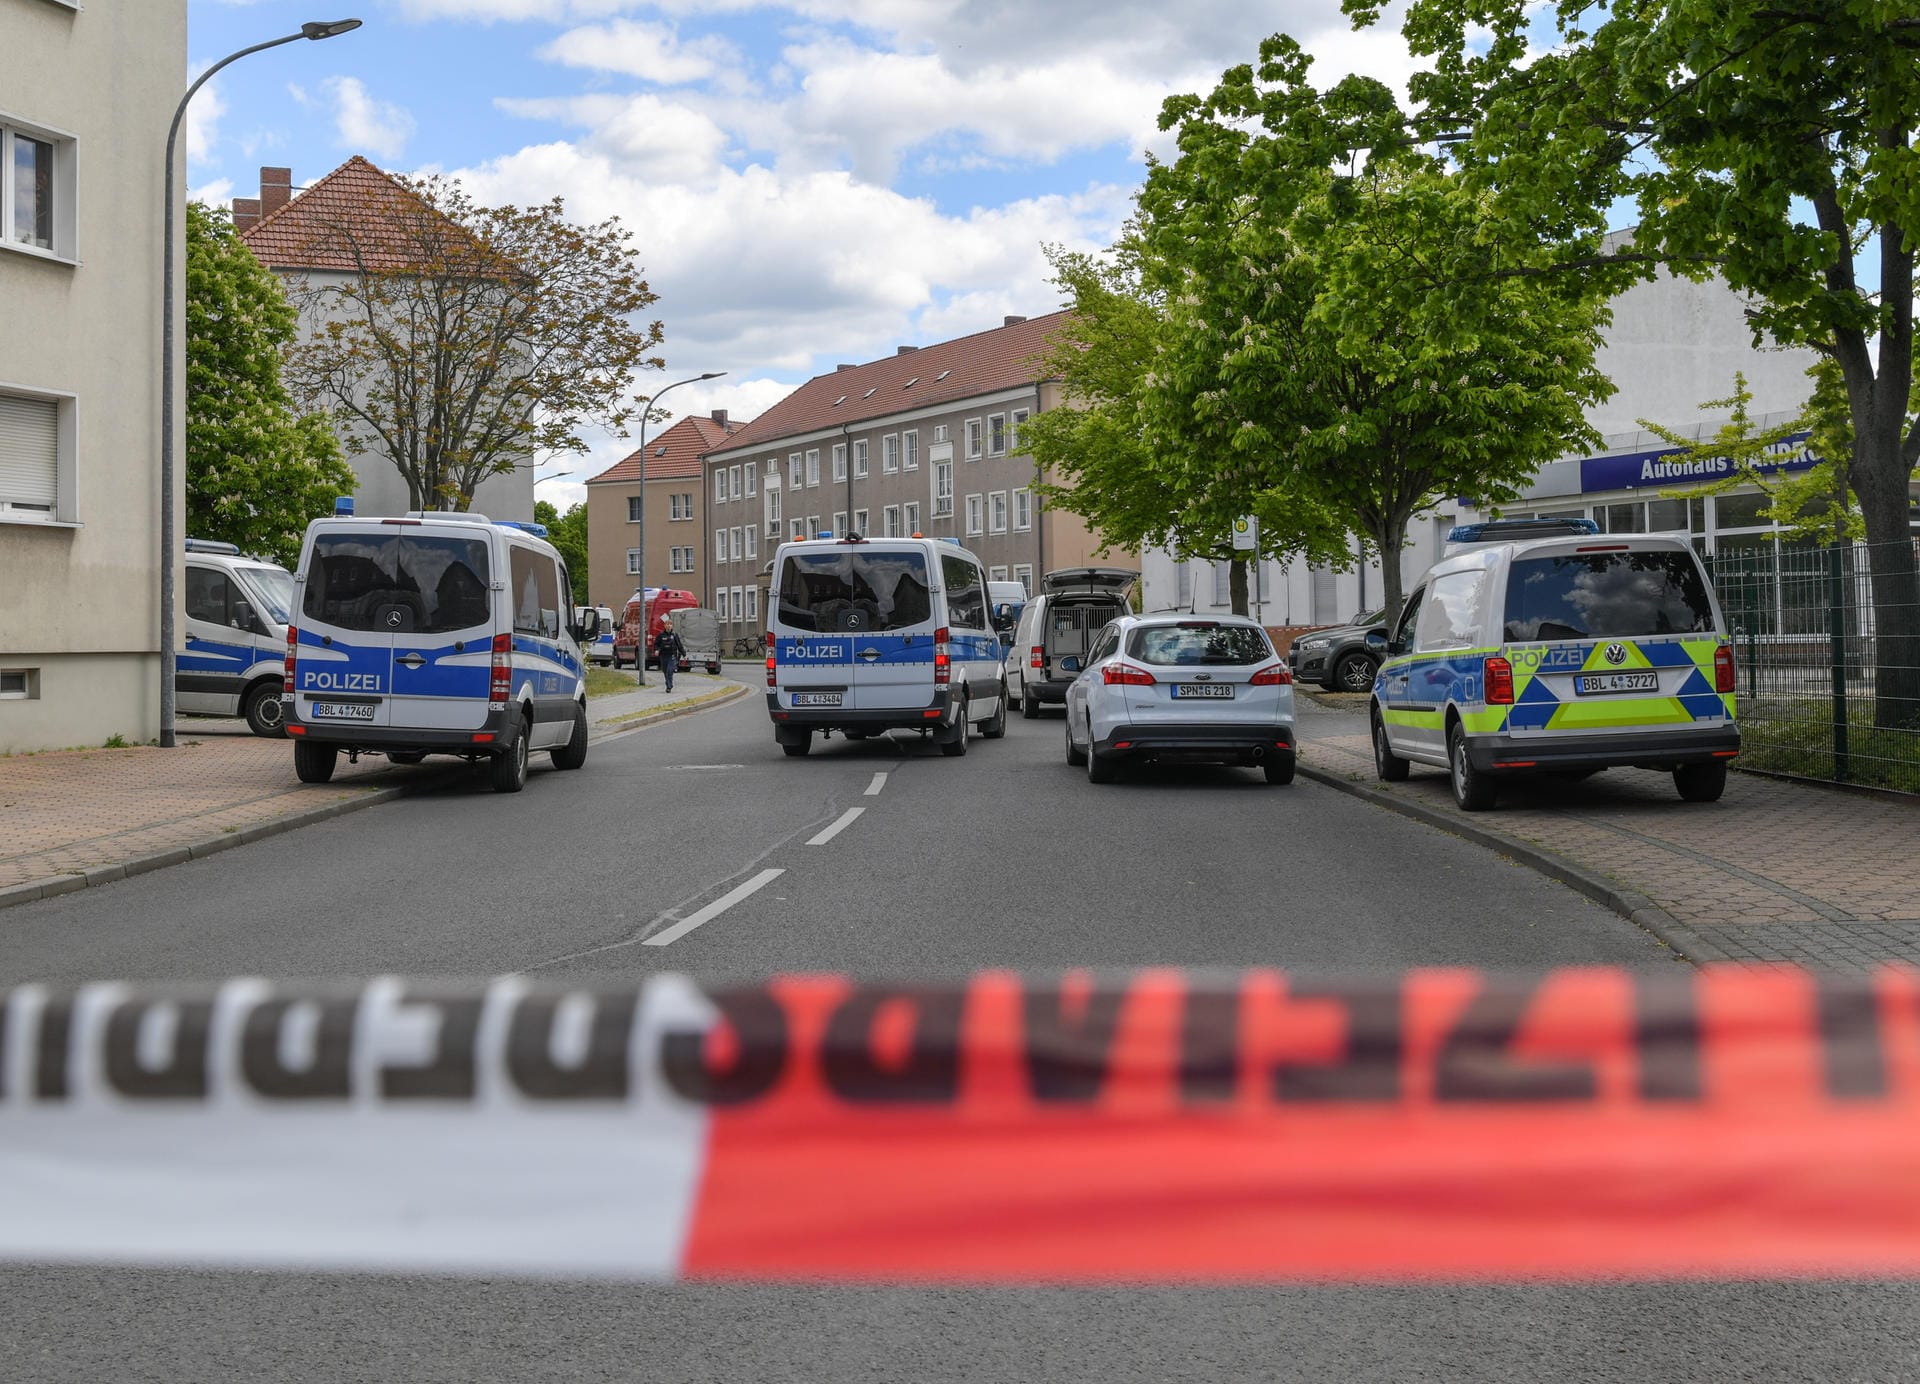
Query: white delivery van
x=1072, y=606
x=237, y=613
x=435, y=634
x=871, y=635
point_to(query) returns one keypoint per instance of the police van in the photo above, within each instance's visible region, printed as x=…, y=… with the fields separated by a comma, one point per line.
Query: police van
x=1562, y=656
x=435, y=634
x=238, y=608
x=866, y=636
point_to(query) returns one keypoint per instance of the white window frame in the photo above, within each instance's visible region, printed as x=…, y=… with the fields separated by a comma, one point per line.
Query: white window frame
x=996, y=424
x=997, y=511
x=976, y=440
x=736, y=545
x=910, y=517
x=1023, y=573
x=976, y=514
x=997, y=573
x=1022, y=510
x=796, y=529
x=813, y=466
x=719, y=483
x=942, y=489
x=719, y=546
x=796, y=472
x=633, y=508
x=753, y=541
x=910, y=450
x=633, y=562
x=66, y=160
x=753, y=603
x=860, y=517
x=859, y=458
x=890, y=454
x=1016, y=419
x=773, y=508
x=891, y=517
x=813, y=526
x=839, y=523
x=749, y=474
x=839, y=461
x=733, y=482
x=739, y=605
x=65, y=499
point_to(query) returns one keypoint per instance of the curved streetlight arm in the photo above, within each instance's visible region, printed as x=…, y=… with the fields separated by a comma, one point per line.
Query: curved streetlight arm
x=640, y=640
x=169, y=535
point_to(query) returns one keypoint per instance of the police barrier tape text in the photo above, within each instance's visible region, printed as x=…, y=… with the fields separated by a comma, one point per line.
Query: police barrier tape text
x=1154, y=1126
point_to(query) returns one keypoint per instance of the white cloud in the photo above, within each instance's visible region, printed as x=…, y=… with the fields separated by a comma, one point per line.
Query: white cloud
x=203, y=119
x=214, y=194
x=644, y=135
x=651, y=52
x=365, y=124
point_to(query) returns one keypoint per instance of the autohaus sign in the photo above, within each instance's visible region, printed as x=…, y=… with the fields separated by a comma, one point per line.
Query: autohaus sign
x=1671, y=466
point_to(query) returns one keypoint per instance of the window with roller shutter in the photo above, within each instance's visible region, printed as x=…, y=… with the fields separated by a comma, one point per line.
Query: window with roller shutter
x=29, y=457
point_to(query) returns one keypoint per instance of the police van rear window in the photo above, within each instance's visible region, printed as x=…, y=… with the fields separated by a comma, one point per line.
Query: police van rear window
x=411, y=584
x=854, y=588
x=1617, y=595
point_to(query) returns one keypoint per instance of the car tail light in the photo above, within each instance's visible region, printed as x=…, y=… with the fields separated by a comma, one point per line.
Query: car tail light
x=1723, y=670
x=1125, y=675
x=942, y=657
x=1498, y=675
x=293, y=642
x=1037, y=658
x=1276, y=676
x=500, y=690
x=771, y=681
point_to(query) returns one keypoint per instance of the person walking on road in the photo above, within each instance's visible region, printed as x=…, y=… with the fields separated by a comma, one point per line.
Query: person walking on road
x=670, y=653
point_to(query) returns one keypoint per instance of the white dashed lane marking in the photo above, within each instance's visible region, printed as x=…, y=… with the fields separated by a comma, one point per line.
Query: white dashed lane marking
x=714, y=909
x=879, y=782
x=841, y=824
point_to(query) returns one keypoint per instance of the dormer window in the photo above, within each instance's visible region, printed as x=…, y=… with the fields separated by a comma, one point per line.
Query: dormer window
x=911, y=383
x=941, y=376
x=841, y=400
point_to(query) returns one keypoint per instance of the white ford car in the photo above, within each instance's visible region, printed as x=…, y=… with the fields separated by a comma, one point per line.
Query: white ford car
x=1173, y=687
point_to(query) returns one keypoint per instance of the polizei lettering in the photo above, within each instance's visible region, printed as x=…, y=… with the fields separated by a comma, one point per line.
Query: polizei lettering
x=319, y=680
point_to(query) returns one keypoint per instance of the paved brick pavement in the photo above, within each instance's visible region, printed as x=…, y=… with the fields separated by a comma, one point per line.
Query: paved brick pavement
x=68, y=813
x=1774, y=871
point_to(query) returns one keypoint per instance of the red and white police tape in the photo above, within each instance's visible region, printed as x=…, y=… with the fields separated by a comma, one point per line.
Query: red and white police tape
x=1157, y=1126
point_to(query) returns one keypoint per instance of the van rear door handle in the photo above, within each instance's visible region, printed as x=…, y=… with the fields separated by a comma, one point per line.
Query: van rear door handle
x=869, y=654
x=411, y=660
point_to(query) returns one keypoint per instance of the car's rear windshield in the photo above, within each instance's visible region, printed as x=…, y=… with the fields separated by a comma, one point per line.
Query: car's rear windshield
x=1618, y=595
x=397, y=583
x=1225, y=645
x=852, y=588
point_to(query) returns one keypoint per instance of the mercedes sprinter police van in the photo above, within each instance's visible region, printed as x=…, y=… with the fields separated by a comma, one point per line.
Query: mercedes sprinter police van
x=237, y=613
x=870, y=635
x=435, y=634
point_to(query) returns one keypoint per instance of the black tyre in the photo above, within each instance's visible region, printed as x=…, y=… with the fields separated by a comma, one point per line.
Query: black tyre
x=265, y=712
x=1701, y=783
x=405, y=756
x=1101, y=768
x=1029, y=705
x=797, y=743
x=616, y=661
x=507, y=772
x=1473, y=790
x=573, y=754
x=1075, y=755
x=1278, y=768
x=955, y=744
x=314, y=763
x=713, y=670
x=1354, y=673
x=1388, y=765
x=997, y=727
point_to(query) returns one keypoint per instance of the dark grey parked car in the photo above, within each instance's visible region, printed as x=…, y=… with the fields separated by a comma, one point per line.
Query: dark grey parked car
x=1338, y=659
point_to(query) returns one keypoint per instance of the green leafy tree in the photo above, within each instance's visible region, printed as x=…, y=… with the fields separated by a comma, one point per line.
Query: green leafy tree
x=1770, y=143
x=470, y=339
x=568, y=533
x=257, y=470
x=1138, y=496
x=1338, y=328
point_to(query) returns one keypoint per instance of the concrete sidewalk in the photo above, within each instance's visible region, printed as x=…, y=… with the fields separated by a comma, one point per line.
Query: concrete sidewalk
x=1775, y=871
x=74, y=818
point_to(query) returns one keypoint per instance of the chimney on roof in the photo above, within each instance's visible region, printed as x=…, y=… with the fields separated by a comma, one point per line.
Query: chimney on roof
x=276, y=189
x=842, y=366
x=905, y=350
x=246, y=213
x=1011, y=321
x=720, y=417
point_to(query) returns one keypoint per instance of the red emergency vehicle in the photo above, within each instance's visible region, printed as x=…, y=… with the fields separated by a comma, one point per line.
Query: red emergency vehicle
x=662, y=601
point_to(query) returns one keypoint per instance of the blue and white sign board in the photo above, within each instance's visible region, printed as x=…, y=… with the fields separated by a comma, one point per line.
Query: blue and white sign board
x=1668, y=466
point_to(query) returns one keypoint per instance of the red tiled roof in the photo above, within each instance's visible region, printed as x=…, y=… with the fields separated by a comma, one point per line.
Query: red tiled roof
x=310, y=231
x=984, y=363
x=674, y=454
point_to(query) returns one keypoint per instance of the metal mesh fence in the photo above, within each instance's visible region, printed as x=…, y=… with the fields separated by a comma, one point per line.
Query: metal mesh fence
x=1825, y=691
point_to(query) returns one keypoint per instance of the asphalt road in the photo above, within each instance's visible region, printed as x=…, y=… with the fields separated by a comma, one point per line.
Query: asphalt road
x=1005, y=857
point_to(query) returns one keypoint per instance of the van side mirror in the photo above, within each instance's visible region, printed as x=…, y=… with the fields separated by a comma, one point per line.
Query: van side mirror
x=1377, y=643
x=243, y=617
x=1070, y=664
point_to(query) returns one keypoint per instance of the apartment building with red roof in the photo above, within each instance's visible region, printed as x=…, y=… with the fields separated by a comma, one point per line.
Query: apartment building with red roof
x=673, y=510
x=926, y=440
x=302, y=237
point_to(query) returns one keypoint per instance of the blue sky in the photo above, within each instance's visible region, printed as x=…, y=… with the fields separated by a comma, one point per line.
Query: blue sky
x=810, y=181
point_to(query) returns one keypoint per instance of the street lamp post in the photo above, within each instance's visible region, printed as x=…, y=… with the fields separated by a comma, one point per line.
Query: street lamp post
x=640, y=639
x=169, y=539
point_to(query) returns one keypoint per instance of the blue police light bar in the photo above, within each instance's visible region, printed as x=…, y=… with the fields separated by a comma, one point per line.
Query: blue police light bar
x=824, y=533
x=537, y=530
x=1496, y=530
x=343, y=507
x=212, y=545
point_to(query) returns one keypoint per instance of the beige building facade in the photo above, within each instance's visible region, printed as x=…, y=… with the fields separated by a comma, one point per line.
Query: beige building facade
x=86, y=94
x=674, y=513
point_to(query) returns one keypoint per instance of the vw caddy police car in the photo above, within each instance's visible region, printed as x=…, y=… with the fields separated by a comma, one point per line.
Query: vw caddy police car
x=237, y=613
x=1562, y=655
x=434, y=634
x=866, y=636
